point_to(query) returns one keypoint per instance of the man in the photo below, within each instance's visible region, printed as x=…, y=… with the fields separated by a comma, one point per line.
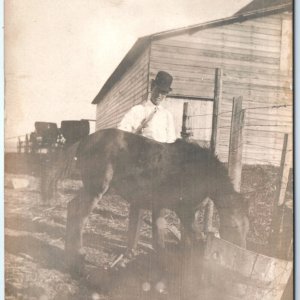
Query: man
x=153, y=121
x=150, y=119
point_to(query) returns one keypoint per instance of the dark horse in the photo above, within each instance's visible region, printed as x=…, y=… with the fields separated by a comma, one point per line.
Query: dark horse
x=149, y=175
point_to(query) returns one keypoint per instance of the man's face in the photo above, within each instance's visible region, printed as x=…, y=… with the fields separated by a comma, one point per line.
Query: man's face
x=157, y=95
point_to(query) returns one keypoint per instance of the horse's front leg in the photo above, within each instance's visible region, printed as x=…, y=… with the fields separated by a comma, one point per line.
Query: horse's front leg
x=159, y=227
x=134, y=226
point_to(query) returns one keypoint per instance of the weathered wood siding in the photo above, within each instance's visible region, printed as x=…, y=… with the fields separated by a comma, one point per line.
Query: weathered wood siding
x=128, y=91
x=254, y=66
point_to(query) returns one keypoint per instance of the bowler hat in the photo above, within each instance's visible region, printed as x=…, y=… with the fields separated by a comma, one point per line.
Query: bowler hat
x=163, y=80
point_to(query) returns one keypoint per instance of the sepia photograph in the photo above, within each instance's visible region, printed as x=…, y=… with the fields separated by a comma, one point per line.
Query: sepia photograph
x=148, y=150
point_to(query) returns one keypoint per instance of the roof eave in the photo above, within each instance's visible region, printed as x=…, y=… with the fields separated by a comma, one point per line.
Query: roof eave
x=224, y=21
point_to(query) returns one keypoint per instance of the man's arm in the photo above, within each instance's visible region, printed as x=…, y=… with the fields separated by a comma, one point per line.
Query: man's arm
x=132, y=119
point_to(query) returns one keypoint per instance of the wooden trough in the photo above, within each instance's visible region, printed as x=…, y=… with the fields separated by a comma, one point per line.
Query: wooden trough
x=216, y=270
x=242, y=274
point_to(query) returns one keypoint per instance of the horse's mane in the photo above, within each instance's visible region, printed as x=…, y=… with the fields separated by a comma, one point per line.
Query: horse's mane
x=194, y=153
x=216, y=171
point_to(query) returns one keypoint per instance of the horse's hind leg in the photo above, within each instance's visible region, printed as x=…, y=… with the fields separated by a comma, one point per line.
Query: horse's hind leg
x=77, y=214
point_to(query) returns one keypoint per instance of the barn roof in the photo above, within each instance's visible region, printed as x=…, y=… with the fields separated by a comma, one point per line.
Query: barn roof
x=255, y=9
x=256, y=5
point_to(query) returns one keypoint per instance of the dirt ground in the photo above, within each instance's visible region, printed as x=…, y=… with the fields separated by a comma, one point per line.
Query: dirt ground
x=34, y=236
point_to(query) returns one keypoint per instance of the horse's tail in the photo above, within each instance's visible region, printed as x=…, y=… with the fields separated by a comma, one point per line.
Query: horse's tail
x=57, y=169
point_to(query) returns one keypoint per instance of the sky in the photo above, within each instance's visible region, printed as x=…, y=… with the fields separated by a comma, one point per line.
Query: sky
x=59, y=53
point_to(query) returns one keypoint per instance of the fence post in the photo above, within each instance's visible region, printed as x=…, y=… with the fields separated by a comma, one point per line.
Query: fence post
x=209, y=207
x=236, y=143
x=216, y=106
x=26, y=149
x=185, y=129
x=276, y=242
x=285, y=165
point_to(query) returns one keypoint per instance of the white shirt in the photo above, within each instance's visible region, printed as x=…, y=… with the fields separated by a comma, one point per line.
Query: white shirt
x=160, y=128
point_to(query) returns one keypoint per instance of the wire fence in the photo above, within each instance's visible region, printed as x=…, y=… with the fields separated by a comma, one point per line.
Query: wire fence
x=251, y=125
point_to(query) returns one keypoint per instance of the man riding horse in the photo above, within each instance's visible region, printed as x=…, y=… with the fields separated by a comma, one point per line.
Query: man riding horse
x=153, y=121
x=149, y=175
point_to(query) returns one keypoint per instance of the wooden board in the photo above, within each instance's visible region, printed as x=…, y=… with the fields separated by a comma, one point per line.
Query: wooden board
x=245, y=274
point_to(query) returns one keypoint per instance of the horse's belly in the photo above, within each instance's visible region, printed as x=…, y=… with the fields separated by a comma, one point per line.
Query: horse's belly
x=145, y=192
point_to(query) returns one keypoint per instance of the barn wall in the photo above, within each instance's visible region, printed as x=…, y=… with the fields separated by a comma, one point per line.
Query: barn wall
x=128, y=91
x=254, y=66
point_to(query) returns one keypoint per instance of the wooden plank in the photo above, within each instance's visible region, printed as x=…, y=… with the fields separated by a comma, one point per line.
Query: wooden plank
x=267, y=92
x=198, y=44
x=239, y=74
x=244, y=274
x=233, y=44
x=268, y=142
x=232, y=32
x=285, y=165
x=283, y=129
x=278, y=207
x=217, y=104
x=286, y=57
x=282, y=113
x=205, y=71
x=192, y=89
x=118, y=104
x=265, y=122
x=192, y=52
x=256, y=86
x=255, y=28
x=185, y=74
x=129, y=81
x=265, y=47
x=266, y=21
x=262, y=23
x=259, y=82
x=185, y=129
x=191, y=58
x=221, y=35
x=235, y=146
x=119, y=107
x=262, y=153
x=203, y=62
x=120, y=90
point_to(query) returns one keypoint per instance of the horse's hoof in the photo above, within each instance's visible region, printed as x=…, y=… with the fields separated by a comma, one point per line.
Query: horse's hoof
x=75, y=265
x=131, y=253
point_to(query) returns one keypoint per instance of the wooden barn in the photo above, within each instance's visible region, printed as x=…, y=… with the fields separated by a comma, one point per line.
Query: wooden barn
x=248, y=54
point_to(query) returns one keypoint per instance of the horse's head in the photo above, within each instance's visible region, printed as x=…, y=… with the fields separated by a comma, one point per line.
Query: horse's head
x=234, y=223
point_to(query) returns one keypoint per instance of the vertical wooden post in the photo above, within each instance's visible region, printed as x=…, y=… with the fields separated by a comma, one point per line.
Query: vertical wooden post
x=19, y=146
x=185, y=129
x=216, y=108
x=209, y=207
x=285, y=165
x=276, y=238
x=26, y=144
x=236, y=143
